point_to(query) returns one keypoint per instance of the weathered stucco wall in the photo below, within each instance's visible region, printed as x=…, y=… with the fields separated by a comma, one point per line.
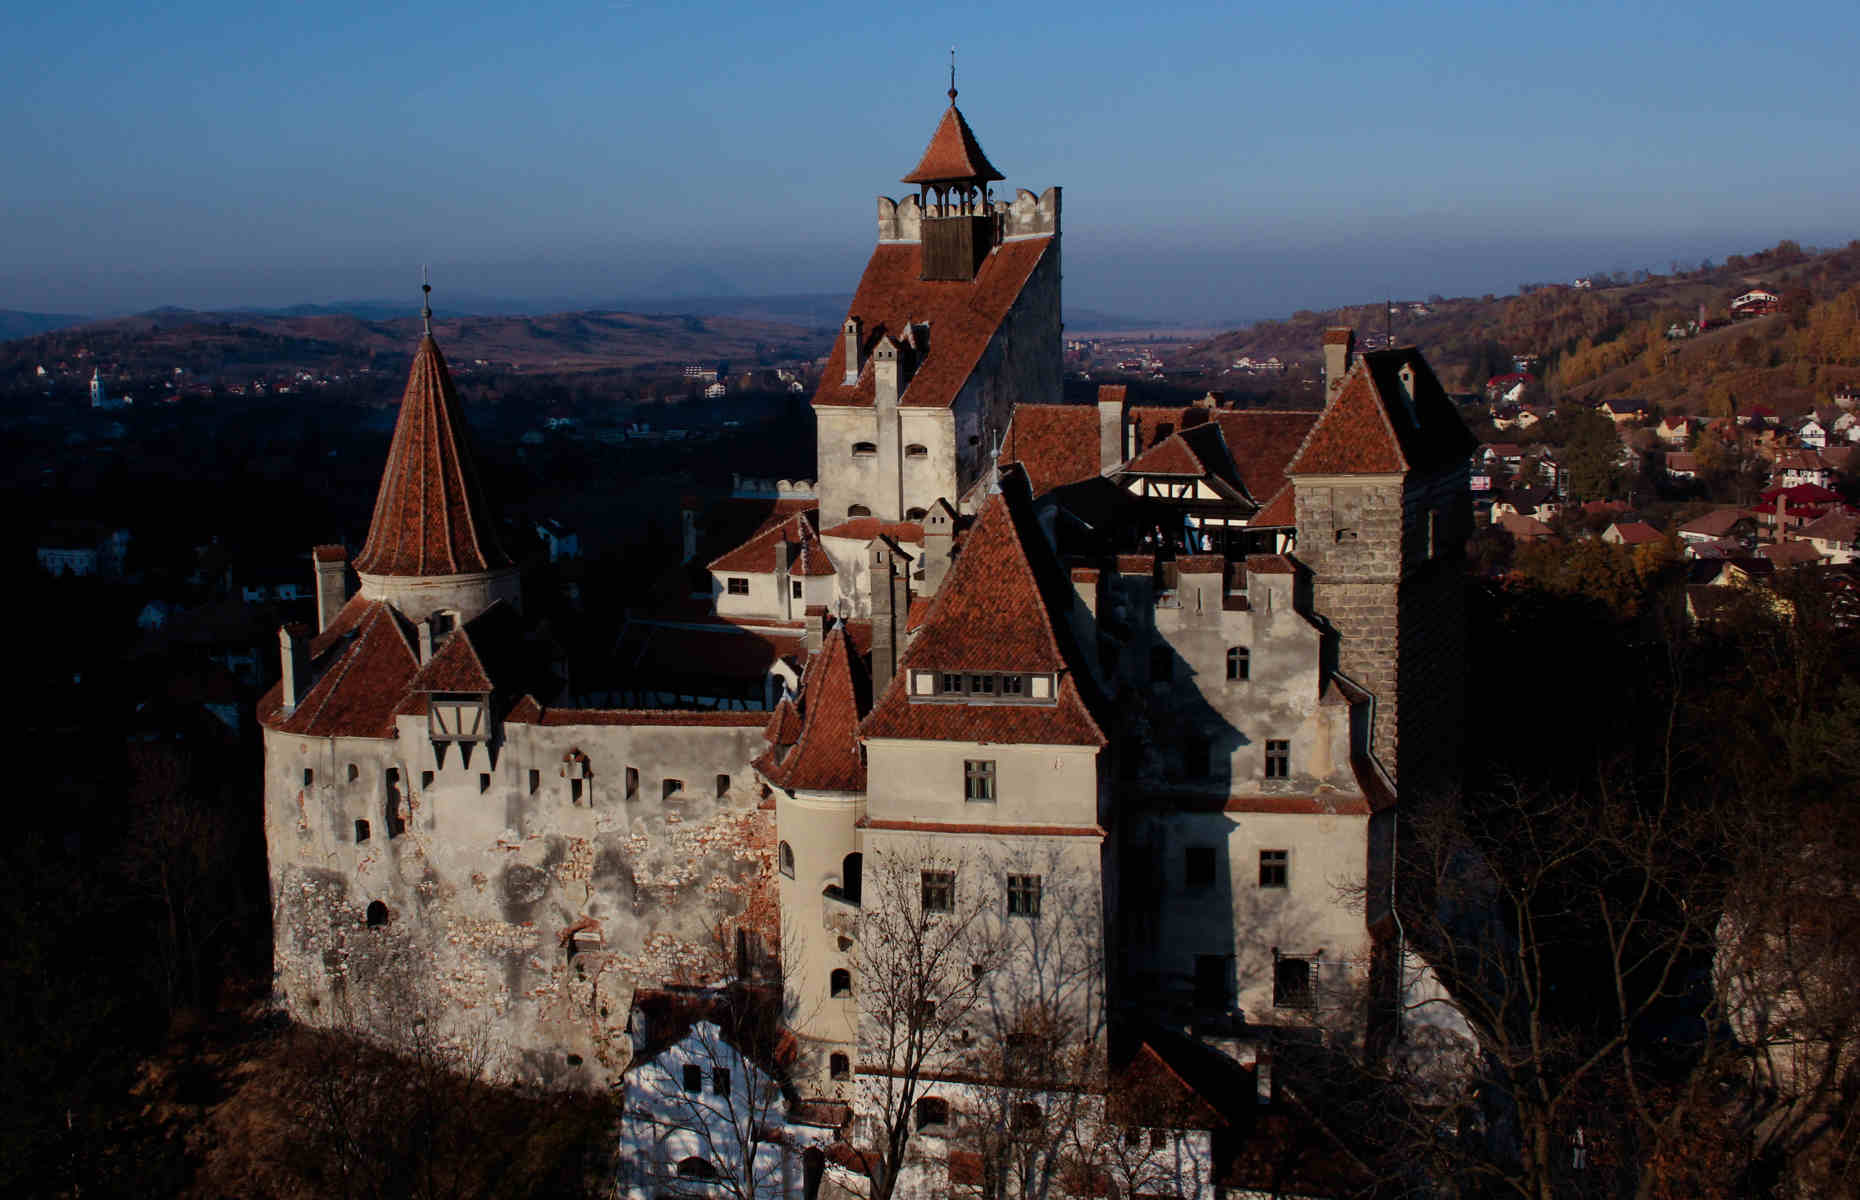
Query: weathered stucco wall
x=494, y=868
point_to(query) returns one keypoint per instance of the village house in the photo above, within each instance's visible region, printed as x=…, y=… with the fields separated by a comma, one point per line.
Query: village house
x=1793, y=468
x=1835, y=536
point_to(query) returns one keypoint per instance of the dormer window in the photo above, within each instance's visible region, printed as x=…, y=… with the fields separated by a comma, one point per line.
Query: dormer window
x=458, y=718
x=983, y=687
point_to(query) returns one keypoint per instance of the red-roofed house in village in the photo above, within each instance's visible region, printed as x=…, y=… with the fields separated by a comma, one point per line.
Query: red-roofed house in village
x=1143, y=687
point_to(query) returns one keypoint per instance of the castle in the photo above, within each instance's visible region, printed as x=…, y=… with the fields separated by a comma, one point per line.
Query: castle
x=1158, y=677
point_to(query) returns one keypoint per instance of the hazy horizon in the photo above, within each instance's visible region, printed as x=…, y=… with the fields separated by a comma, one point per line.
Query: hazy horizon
x=1218, y=166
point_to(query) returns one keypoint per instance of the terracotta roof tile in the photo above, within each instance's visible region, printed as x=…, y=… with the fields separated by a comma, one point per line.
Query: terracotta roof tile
x=784, y=727
x=361, y=667
x=1636, y=533
x=1353, y=436
x=920, y=608
x=864, y=529
x=826, y=758
x=757, y=555
x=330, y=553
x=1270, y=564
x=1056, y=443
x=988, y=615
x=1171, y=456
x=1200, y=564
x=1136, y=564
x=953, y=154
x=1282, y=509
x=430, y=514
x=454, y=667
x=963, y=317
x=1262, y=443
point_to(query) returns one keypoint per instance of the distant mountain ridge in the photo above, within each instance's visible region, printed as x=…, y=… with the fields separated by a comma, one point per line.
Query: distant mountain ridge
x=15, y=324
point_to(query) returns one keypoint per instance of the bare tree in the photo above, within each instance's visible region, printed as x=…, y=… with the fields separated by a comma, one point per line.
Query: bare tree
x=930, y=940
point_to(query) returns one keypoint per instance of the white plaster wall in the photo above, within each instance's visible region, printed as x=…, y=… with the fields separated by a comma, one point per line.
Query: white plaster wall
x=821, y=830
x=843, y=478
x=468, y=595
x=763, y=600
x=923, y=781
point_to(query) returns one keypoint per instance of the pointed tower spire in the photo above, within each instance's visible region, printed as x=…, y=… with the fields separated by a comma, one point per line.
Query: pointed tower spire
x=432, y=544
x=952, y=77
x=426, y=302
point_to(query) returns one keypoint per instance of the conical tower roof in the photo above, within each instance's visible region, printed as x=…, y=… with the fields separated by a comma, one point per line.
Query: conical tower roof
x=430, y=518
x=953, y=156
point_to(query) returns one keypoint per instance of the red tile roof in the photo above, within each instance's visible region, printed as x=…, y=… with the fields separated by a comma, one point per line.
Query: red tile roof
x=1282, y=509
x=1270, y=564
x=1151, y=423
x=1636, y=533
x=757, y=555
x=1200, y=564
x=963, y=317
x=988, y=615
x=1136, y=564
x=330, y=553
x=1379, y=424
x=1352, y=437
x=1262, y=443
x=454, y=667
x=430, y=514
x=361, y=667
x=827, y=757
x=1171, y=456
x=1056, y=443
x=953, y=154
x=784, y=727
x=920, y=608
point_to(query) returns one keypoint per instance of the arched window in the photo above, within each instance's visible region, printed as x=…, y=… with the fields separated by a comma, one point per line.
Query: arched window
x=864, y=449
x=839, y=1066
x=914, y=450
x=858, y=510
x=852, y=867
x=1239, y=663
x=377, y=914
x=841, y=981
x=354, y=772
x=932, y=1110
x=915, y=514
x=786, y=855
x=696, y=1168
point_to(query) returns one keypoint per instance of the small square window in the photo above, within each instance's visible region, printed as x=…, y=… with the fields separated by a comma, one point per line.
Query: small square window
x=978, y=780
x=735, y=585
x=939, y=891
x=309, y=776
x=720, y=1082
x=1278, y=759
x=694, y=1078
x=1274, y=868
x=1023, y=895
x=1013, y=685
x=952, y=684
x=1198, y=866
x=1291, y=983
x=361, y=832
x=982, y=685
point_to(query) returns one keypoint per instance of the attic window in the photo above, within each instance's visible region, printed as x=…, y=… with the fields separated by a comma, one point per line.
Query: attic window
x=456, y=718
x=864, y=449
x=916, y=451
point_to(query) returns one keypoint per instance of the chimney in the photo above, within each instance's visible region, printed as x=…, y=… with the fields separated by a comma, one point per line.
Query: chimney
x=814, y=629
x=1110, y=426
x=332, y=583
x=1339, y=350
x=1782, y=517
x=891, y=605
x=783, y=603
x=939, y=544
x=887, y=381
x=852, y=350
x=294, y=656
x=426, y=641
x=1085, y=583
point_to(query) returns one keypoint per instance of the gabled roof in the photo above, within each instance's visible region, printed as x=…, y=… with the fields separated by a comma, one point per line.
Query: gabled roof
x=1636, y=533
x=784, y=727
x=1282, y=509
x=962, y=315
x=454, y=667
x=757, y=555
x=988, y=615
x=953, y=156
x=1261, y=443
x=1834, y=527
x=864, y=529
x=1716, y=523
x=361, y=666
x=430, y=515
x=1372, y=427
x=1056, y=443
x=1171, y=456
x=826, y=758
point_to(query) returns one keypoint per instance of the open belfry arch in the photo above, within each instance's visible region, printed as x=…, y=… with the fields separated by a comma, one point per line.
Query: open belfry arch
x=1158, y=676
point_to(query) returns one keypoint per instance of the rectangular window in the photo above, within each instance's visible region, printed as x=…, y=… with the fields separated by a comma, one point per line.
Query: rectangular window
x=1023, y=895
x=720, y=1082
x=1278, y=759
x=952, y=684
x=978, y=780
x=632, y=783
x=1239, y=664
x=939, y=891
x=1013, y=685
x=1274, y=868
x=736, y=585
x=694, y=1078
x=309, y=777
x=982, y=685
x=670, y=788
x=1198, y=866
x=361, y=832
x=1291, y=983
x=535, y=782
x=795, y=586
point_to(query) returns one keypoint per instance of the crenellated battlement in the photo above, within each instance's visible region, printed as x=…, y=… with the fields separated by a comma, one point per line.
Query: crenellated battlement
x=1026, y=215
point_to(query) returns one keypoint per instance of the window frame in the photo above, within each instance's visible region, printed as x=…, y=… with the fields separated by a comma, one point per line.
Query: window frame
x=980, y=781
x=784, y=858
x=1275, y=871
x=1278, y=758
x=1239, y=664
x=736, y=585
x=1023, y=896
x=937, y=891
x=865, y=449
x=1304, y=994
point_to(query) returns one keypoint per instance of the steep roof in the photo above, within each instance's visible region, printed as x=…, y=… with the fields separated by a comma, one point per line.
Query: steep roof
x=757, y=555
x=1262, y=443
x=360, y=668
x=1636, y=533
x=962, y=315
x=1372, y=427
x=826, y=758
x=454, y=667
x=1716, y=523
x=430, y=515
x=1282, y=509
x=1056, y=443
x=988, y=615
x=953, y=155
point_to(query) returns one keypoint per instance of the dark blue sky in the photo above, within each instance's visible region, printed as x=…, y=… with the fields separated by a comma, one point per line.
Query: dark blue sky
x=1219, y=161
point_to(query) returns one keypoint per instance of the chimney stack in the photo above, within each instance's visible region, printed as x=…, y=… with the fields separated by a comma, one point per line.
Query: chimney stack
x=1110, y=426
x=814, y=631
x=784, y=604
x=426, y=641
x=1085, y=583
x=294, y=656
x=332, y=582
x=852, y=350
x=887, y=382
x=1339, y=352
x=891, y=606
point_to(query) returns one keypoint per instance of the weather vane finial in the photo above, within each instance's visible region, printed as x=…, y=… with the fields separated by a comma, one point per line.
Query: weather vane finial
x=952, y=75
x=426, y=301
